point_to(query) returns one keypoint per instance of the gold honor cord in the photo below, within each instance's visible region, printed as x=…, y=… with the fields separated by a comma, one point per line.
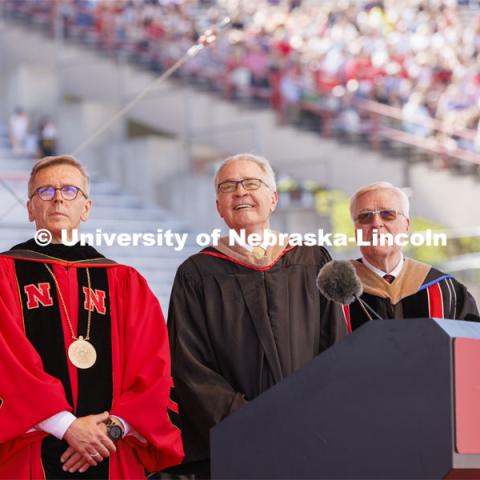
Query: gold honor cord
x=81, y=352
x=208, y=37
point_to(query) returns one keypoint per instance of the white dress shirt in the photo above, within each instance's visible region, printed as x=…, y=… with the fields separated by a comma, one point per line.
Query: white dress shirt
x=264, y=244
x=60, y=422
x=395, y=272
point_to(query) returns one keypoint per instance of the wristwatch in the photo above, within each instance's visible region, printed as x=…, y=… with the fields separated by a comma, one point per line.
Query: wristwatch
x=114, y=430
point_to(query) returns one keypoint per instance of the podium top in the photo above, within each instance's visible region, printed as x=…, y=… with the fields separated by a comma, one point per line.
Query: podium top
x=460, y=328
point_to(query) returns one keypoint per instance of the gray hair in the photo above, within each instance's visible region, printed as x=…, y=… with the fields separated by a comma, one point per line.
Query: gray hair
x=53, y=161
x=262, y=162
x=372, y=187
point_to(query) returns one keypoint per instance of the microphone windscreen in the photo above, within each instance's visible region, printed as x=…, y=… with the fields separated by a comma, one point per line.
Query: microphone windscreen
x=338, y=281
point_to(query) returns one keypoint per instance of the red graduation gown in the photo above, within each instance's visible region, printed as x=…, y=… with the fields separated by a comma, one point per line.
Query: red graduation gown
x=141, y=380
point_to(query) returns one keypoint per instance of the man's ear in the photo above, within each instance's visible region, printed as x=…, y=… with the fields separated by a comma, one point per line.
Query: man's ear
x=86, y=210
x=274, y=202
x=31, y=217
x=218, y=208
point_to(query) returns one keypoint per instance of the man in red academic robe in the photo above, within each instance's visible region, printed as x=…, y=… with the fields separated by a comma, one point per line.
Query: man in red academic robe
x=84, y=358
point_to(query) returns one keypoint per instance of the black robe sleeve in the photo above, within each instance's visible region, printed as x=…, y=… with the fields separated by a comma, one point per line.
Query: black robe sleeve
x=198, y=384
x=466, y=307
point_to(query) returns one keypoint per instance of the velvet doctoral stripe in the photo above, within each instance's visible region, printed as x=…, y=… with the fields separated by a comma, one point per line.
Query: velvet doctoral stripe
x=43, y=326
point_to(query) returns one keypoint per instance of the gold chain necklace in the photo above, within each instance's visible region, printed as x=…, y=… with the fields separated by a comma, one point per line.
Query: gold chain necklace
x=81, y=352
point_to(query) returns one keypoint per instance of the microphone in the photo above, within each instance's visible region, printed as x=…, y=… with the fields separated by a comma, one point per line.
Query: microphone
x=338, y=281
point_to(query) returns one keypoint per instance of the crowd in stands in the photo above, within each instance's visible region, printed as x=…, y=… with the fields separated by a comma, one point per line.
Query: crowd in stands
x=327, y=57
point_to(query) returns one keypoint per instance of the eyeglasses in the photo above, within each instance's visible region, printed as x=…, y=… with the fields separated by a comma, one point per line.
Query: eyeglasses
x=230, y=186
x=68, y=192
x=386, y=214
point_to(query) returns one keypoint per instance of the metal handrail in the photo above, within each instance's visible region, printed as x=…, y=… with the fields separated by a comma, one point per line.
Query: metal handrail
x=376, y=131
x=396, y=113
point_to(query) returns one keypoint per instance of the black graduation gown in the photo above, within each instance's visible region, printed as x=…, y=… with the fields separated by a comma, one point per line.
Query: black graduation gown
x=420, y=291
x=236, y=330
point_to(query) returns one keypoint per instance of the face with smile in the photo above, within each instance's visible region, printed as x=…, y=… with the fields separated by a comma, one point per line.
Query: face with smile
x=246, y=209
x=58, y=213
x=382, y=199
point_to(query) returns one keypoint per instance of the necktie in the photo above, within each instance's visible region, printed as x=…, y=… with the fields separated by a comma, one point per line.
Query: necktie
x=389, y=278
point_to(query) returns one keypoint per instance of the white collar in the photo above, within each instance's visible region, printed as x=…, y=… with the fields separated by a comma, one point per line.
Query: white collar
x=250, y=248
x=395, y=272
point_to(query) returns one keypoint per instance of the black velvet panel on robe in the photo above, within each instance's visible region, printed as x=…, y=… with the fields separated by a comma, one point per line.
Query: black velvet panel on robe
x=44, y=330
x=457, y=302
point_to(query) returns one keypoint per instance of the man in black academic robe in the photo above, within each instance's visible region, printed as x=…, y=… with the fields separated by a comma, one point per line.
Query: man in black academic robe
x=394, y=286
x=241, y=318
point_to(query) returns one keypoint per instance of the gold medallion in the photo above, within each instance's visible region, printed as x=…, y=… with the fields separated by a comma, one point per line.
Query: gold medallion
x=258, y=253
x=82, y=353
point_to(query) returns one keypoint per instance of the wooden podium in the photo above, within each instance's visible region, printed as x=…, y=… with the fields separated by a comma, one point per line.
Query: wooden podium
x=397, y=399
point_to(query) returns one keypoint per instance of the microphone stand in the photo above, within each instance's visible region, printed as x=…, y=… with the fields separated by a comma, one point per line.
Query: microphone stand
x=364, y=304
